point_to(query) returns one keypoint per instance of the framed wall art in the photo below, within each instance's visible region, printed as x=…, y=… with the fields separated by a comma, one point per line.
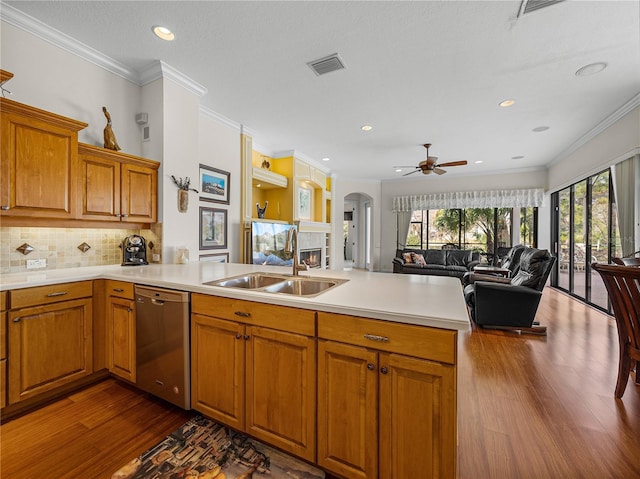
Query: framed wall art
x=304, y=203
x=214, y=184
x=213, y=228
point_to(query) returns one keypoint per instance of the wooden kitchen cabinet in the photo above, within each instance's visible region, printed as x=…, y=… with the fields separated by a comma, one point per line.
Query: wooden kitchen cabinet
x=117, y=187
x=50, y=338
x=254, y=369
x=121, y=330
x=3, y=349
x=38, y=162
x=381, y=411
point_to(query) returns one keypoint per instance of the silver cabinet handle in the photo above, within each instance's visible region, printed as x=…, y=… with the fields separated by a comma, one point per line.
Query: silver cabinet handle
x=125, y=216
x=16, y=320
x=5, y=208
x=53, y=295
x=243, y=314
x=118, y=290
x=118, y=215
x=375, y=337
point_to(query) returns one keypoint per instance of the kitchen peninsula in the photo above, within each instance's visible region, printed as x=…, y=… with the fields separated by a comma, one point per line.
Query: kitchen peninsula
x=359, y=379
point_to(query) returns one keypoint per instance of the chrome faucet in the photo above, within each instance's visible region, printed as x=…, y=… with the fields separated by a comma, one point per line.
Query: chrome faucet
x=291, y=246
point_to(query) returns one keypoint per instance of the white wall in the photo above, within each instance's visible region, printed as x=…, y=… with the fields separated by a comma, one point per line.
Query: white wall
x=52, y=79
x=443, y=184
x=617, y=143
x=219, y=147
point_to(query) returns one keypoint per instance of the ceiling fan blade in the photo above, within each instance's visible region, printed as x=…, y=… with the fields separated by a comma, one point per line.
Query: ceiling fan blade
x=454, y=163
x=439, y=171
x=411, y=173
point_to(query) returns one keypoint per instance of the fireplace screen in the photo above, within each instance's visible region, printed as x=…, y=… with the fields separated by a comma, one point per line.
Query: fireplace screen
x=312, y=257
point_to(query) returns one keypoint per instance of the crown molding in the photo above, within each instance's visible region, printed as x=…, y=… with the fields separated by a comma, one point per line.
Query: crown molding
x=159, y=69
x=209, y=113
x=634, y=102
x=27, y=23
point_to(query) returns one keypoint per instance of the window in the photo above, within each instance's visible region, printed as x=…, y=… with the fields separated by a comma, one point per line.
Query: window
x=488, y=230
x=584, y=232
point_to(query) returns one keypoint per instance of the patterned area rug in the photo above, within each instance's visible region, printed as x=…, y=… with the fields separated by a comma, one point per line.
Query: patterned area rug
x=204, y=449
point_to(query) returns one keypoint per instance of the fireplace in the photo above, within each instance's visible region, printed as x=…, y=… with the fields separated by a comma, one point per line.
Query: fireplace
x=312, y=257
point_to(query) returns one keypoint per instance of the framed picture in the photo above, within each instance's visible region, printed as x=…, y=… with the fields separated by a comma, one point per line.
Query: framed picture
x=304, y=203
x=215, y=257
x=214, y=185
x=213, y=228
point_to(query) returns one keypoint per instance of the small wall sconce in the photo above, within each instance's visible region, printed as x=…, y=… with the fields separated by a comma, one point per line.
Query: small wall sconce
x=25, y=248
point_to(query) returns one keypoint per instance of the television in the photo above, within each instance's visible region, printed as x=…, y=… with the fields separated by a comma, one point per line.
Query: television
x=267, y=243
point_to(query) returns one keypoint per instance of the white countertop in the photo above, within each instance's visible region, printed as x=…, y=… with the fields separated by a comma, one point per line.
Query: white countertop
x=423, y=300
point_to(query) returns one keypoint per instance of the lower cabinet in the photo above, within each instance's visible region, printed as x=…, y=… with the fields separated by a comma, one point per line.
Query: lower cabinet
x=382, y=414
x=3, y=349
x=121, y=330
x=50, y=338
x=255, y=374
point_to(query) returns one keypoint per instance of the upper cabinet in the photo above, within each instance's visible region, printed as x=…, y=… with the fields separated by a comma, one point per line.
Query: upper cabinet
x=117, y=187
x=38, y=163
x=47, y=176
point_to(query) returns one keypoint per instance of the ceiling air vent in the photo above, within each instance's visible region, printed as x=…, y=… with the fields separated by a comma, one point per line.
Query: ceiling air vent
x=528, y=6
x=327, y=64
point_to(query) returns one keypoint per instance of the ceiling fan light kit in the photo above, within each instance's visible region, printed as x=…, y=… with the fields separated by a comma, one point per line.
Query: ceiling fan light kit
x=430, y=165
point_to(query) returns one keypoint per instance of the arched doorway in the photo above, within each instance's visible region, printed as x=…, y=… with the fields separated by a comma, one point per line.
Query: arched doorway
x=357, y=231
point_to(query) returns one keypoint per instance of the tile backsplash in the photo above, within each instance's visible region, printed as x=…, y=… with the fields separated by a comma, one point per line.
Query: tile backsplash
x=59, y=246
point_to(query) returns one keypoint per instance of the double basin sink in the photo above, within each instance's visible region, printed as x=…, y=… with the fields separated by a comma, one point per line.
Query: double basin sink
x=274, y=283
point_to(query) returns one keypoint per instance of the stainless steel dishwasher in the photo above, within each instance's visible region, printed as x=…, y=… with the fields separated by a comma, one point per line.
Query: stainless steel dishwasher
x=162, y=344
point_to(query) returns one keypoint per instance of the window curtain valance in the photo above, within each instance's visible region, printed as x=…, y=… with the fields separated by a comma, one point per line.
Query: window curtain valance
x=470, y=199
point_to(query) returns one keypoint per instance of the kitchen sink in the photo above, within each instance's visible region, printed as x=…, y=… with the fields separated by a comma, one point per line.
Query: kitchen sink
x=270, y=283
x=302, y=286
x=248, y=281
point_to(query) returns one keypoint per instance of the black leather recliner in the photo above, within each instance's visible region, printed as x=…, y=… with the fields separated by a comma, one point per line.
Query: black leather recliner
x=511, y=262
x=511, y=303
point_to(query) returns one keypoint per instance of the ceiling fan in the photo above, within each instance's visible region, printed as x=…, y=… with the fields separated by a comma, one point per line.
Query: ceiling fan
x=430, y=165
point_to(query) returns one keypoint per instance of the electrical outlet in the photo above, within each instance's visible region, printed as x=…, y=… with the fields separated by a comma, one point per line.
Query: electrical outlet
x=155, y=257
x=36, y=263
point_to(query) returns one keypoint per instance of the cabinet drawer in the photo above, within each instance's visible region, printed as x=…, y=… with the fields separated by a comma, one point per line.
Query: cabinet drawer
x=121, y=289
x=284, y=318
x=22, y=298
x=419, y=341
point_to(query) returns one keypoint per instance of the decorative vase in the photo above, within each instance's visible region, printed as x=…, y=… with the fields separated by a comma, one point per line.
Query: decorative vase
x=183, y=201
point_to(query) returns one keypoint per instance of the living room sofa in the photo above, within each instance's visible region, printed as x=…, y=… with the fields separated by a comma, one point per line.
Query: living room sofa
x=437, y=262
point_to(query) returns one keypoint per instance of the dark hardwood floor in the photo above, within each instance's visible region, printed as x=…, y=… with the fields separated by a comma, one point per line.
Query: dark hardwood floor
x=528, y=407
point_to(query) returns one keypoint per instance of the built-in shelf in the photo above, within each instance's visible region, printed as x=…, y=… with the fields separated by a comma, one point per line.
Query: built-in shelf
x=268, y=179
x=313, y=227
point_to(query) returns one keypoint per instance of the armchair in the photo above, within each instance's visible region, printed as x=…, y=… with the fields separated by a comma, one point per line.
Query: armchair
x=511, y=303
x=510, y=262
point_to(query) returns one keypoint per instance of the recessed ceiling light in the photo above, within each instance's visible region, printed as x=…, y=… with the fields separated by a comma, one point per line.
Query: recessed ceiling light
x=398, y=170
x=517, y=157
x=591, y=69
x=538, y=129
x=326, y=159
x=507, y=103
x=163, y=33
x=258, y=185
x=366, y=128
x=478, y=162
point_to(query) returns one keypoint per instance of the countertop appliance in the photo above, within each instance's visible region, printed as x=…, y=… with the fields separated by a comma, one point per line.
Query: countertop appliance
x=162, y=344
x=134, y=251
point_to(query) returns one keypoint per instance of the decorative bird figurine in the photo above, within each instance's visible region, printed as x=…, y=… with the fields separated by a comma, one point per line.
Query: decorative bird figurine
x=110, y=141
x=262, y=210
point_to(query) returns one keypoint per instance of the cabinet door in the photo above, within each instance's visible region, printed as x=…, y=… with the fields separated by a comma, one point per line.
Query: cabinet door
x=38, y=168
x=348, y=410
x=122, y=338
x=217, y=369
x=100, y=189
x=281, y=390
x=139, y=187
x=49, y=346
x=417, y=418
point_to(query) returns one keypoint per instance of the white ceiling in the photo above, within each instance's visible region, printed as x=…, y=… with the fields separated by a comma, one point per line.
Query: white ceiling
x=418, y=72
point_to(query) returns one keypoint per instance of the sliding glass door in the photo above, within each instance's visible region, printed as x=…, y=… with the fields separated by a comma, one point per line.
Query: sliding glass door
x=582, y=235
